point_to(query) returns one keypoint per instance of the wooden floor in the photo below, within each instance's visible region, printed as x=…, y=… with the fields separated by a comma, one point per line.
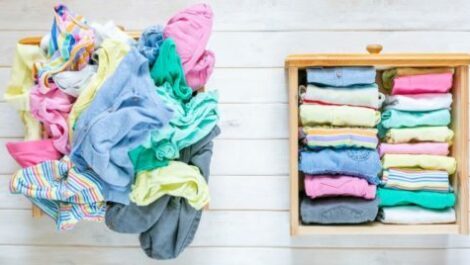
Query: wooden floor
x=248, y=220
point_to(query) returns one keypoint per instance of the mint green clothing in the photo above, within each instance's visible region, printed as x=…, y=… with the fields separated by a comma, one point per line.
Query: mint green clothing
x=426, y=199
x=193, y=117
x=404, y=119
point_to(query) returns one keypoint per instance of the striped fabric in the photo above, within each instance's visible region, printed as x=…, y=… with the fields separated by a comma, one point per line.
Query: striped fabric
x=416, y=179
x=62, y=192
x=318, y=137
x=70, y=46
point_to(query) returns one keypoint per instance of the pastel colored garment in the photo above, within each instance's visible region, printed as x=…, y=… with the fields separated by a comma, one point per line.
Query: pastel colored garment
x=360, y=96
x=32, y=127
x=417, y=84
x=168, y=225
x=126, y=98
x=64, y=193
x=405, y=119
x=426, y=199
x=22, y=75
x=332, y=186
x=411, y=214
x=194, y=117
x=313, y=114
x=70, y=47
x=419, y=134
x=389, y=75
x=415, y=149
x=341, y=76
x=416, y=179
x=362, y=163
x=338, y=210
x=418, y=102
x=431, y=162
x=73, y=82
x=109, y=56
x=52, y=109
x=150, y=42
x=320, y=137
x=109, y=30
x=191, y=29
x=30, y=153
x=177, y=179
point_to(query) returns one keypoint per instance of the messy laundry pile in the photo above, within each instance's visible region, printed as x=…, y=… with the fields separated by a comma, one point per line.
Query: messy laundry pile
x=116, y=129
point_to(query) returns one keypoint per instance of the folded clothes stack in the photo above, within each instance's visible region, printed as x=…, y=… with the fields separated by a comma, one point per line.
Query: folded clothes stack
x=118, y=129
x=415, y=186
x=339, y=157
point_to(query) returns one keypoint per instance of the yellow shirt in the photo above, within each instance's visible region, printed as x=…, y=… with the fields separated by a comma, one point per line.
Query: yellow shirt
x=431, y=162
x=311, y=115
x=177, y=179
x=419, y=134
x=109, y=56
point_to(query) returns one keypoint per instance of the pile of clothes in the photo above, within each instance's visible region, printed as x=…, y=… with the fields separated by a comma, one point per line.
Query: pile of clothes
x=339, y=157
x=118, y=130
x=415, y=119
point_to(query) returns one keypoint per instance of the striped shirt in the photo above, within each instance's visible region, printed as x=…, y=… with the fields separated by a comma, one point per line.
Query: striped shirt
x=318, y=137
x=62, y=192
x=416, y=179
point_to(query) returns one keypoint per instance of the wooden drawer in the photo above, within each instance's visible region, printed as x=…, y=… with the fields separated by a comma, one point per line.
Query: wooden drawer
x=296, y=65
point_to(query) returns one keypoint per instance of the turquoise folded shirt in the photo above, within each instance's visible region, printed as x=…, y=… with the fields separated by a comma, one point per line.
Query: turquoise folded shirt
x=426, y=199
x=404, y=119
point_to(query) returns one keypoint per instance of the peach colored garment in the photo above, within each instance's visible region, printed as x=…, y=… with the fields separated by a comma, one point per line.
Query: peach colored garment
x=431, y=83
x=328, y=186
x=415, y=149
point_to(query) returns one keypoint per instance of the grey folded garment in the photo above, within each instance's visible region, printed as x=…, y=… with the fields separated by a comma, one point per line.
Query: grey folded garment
x=168, y=225
x=338, y=210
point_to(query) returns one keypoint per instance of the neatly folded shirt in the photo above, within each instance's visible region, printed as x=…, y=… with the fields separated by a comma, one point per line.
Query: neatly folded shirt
x=341, y=76
x=314, y=114
x=431, y=162
x=419, y=134
x=339, y=210
x=418, y=102
x=331, y=186
x=417, y=84
x=321, y=137
x=427, y=199
x=415, y=179
x=415, y=149
x=406, y=119
x=411, y=214
x=390, y=74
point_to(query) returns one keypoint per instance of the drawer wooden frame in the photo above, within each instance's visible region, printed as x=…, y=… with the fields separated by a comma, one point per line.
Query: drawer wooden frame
x=459, y=149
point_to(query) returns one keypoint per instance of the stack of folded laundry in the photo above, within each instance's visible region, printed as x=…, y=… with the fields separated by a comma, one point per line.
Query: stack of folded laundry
x=118, y=130
x=415, y=185
x=339, y=157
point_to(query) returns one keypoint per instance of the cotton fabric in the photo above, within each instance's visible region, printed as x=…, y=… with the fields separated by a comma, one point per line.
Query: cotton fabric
x=73, y=82
x=416, y=84
x=321, y=137
x=341, y=76
x=333, y=186
x=411, y=214
x=418, y=102
x=404, y=119
x=431, y=162
x=416, y=179
x=426, y=199
x=313, y=114
x=419, y=134
x=389, y=75
x=415, y=149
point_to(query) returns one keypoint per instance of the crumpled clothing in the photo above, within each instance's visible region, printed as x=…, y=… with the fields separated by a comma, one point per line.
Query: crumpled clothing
x=191, y=29
x=52, y=109
x=108, y=56
x=178, y=179
x=70, y=47
x=193, y=118
x=127, y=98
x=150, y=42
x=73, y=82
x=64, y=193
x=168, y=225
x=23, y=75
x=30, y=153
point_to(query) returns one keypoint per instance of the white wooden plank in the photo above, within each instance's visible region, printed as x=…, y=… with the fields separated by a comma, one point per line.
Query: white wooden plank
x=45, y=255
x=8, y=200
x=217, y=228
x=237, y=121
x=259, y=15
x=265, y=157
x=269, y=49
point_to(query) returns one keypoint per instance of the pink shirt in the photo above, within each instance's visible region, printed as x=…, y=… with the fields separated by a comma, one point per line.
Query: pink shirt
x=415, y=149
x=327, y=186
x=415, y=84
x=30, y=153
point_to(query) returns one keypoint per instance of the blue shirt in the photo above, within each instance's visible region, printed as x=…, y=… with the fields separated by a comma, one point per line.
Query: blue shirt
x=341, y=76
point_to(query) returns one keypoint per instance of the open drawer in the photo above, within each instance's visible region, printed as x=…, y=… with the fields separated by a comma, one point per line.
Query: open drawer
x=296, y=66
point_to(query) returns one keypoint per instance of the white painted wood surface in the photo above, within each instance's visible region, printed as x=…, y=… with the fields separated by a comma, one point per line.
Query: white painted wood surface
x=248, y=218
